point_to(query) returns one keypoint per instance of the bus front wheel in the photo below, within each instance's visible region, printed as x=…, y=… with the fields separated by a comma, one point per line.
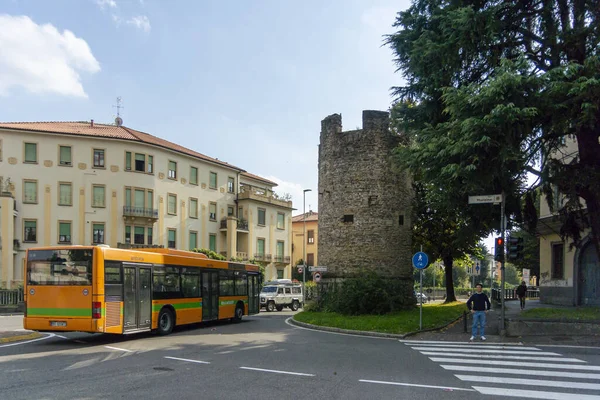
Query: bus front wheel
x=166, y=322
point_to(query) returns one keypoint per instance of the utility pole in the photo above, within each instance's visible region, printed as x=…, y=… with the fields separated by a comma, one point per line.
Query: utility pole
x=502, y=291
x=304, y=245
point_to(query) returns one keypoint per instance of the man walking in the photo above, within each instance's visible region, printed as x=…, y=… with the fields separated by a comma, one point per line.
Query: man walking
x=522, y=292
x=479, y=305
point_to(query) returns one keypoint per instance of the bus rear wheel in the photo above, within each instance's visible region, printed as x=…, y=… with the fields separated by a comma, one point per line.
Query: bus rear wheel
x=239, y=313
x=166, y=322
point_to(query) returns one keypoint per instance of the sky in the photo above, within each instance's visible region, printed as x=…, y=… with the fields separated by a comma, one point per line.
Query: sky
x=247, y=82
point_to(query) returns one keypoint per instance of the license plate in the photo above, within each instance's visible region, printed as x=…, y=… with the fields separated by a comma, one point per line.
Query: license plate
x=58, y=323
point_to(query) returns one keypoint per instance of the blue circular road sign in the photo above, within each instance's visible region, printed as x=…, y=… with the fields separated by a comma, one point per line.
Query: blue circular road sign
x=420, y=260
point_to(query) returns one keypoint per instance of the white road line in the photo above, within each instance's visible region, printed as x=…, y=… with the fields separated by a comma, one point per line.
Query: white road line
x=465, y=342
x=478, y=369
x=534, y=394
x=468, y=346
x=568, y=346
x=495, y=356
x=29, y=341
x=482, y=350
x=529, y=382
x=119, y=349
x=416, y=385
x=276, y=371
x=287, y=321
x=61, y=336
x=187, y=359
x=226, y=352
x=515, y=364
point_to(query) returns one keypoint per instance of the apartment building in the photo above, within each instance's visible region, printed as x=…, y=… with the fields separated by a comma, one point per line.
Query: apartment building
x=568, y=276
x=86, y=183
x=299, y=243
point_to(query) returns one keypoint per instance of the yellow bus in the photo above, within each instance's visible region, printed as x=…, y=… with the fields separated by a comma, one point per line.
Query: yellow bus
x=99, y=289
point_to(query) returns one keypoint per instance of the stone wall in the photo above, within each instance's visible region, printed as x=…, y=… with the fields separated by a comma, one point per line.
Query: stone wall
x=364, y=207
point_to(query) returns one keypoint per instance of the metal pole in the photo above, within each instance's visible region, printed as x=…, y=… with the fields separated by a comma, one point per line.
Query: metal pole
x=434, y=272
x=421, y=298
x=502, y=223
x=304, y=245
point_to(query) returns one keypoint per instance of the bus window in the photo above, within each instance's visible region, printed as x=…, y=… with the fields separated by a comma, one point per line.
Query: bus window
x=190, y=282
x=59, y=267
x=226, y=283
x=241, y=283
x=165, y=283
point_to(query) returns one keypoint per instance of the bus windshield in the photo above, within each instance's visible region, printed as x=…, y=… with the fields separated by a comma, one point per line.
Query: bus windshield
x=59, y=267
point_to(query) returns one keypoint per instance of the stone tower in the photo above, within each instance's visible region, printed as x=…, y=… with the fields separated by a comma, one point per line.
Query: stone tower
x=364, y=207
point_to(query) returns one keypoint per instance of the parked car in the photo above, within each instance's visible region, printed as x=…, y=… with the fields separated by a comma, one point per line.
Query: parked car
x=421, y=297
x=281, y=293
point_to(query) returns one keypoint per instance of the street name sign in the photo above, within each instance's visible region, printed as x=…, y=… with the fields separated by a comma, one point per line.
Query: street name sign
x=486, y=198
x=317, y=269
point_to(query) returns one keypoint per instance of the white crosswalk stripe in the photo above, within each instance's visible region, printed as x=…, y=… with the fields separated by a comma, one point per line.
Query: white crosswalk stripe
x=514, y=370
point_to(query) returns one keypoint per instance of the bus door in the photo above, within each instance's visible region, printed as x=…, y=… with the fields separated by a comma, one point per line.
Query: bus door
x=253, y=294
x=137, y=297
x=210, y=295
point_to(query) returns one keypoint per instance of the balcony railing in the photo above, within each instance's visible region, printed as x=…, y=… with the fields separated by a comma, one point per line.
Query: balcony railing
x=224, y=223
x=138, y=246
x=286, y=259
x=262, y=257
x=242, y=224
x=278, y=259
x=142, y=212
x=242, y=255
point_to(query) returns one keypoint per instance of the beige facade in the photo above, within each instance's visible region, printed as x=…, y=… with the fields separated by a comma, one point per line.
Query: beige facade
x=568, y=276
x=308, y=245
x=80, y=183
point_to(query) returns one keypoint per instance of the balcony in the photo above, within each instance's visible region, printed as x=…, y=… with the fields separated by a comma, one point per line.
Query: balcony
x=282, y=259
x=224, y=223
x=248, y=192
x=138, y=246
x=140, y=212
x=242, y=225
x=262, y=257
x=240, y=255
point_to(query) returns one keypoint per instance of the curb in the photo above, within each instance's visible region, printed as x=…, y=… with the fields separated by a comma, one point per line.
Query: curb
x=368, y=333
x=17, y=338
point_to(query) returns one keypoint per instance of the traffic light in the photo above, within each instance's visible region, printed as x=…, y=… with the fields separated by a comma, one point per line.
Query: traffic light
x=515, y=248
x=499, y=252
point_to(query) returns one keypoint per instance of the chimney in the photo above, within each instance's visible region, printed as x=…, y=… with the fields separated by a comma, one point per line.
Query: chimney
x=92, y=124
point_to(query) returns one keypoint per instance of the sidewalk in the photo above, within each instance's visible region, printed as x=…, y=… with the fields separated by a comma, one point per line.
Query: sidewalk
x=456, y=331
x=11, y=326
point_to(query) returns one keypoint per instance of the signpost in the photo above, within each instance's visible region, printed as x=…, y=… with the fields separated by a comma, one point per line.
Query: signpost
x=420, y=262
x=300, y=269
x=317, y=277
x=486, y=198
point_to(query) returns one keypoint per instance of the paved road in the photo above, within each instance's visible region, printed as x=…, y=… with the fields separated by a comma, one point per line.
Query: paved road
x=265, y=358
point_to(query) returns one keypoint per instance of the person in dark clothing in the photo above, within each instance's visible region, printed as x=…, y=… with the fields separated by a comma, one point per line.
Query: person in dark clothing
x=522, y=293
x=479, y=305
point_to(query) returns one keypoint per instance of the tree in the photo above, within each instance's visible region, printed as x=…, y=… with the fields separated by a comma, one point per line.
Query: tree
x=494, y=89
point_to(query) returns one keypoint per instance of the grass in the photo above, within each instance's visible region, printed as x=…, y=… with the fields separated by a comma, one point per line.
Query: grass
x=434, y=315
x=569, y=314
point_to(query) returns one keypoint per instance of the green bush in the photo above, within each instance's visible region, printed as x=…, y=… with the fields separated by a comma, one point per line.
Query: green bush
x=367, y=293
x=210, y=254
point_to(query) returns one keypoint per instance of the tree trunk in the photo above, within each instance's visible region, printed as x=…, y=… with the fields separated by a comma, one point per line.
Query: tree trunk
x=450, y=296
x=588, y=149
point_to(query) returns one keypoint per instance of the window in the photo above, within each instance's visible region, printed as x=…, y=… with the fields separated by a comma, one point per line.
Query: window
x=30, y=191
x=172, y=204
x=64, y=156
x=64, y=232
x=558, y=256
x=65, y=194
x=212, y=211
x=31, y=153
x=30, y=230
x=166, y=283
x=98, y=196
x=150, y=237
x=226, y=283
x=262, y=216
x=141, y=162
x=348, y=218
x=231, y=185
x=190, y=282
x=310, y=259
x=98, y=158
x=280, y=221
x=172, y=239
x=401, y=220
x=149, y=199
x=212, y=182
x=310, y=238
x=230, y=211
x=193, y=240
x=138, y=235
x=260, y=246
x=193, y=175
x=139, y=196
x=280, y=248
x=97, y=233
x=212, y=242
x=193, y=208
x=279, y=274
x=127, y=234
x=172, y=174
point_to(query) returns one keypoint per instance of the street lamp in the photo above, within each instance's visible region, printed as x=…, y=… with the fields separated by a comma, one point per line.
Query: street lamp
x=304, y=245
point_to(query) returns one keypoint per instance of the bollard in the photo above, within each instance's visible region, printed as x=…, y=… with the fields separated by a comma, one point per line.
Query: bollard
x=465, y=320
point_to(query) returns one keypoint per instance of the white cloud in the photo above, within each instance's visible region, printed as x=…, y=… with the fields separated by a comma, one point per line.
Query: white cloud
x=107, y=3
x=141, y=22
x=41, y=59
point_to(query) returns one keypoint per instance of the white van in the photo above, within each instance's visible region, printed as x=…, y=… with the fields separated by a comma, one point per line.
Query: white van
x=281, y=293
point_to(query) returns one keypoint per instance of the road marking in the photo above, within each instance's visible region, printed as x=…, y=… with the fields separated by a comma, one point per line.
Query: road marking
x=515, y=363
x=287, y=321
x=277, y=372
x=464, y=343
x=29, y=341
x=530, y=382
x=468, y=346
x=535, y=394
x=119, y=349
x=416, y=385
x=476, y=368
x=61, y=336
x=187, y=359
x=226, y=352
x=486, y=356
x=482, y=350
x=568, y=346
